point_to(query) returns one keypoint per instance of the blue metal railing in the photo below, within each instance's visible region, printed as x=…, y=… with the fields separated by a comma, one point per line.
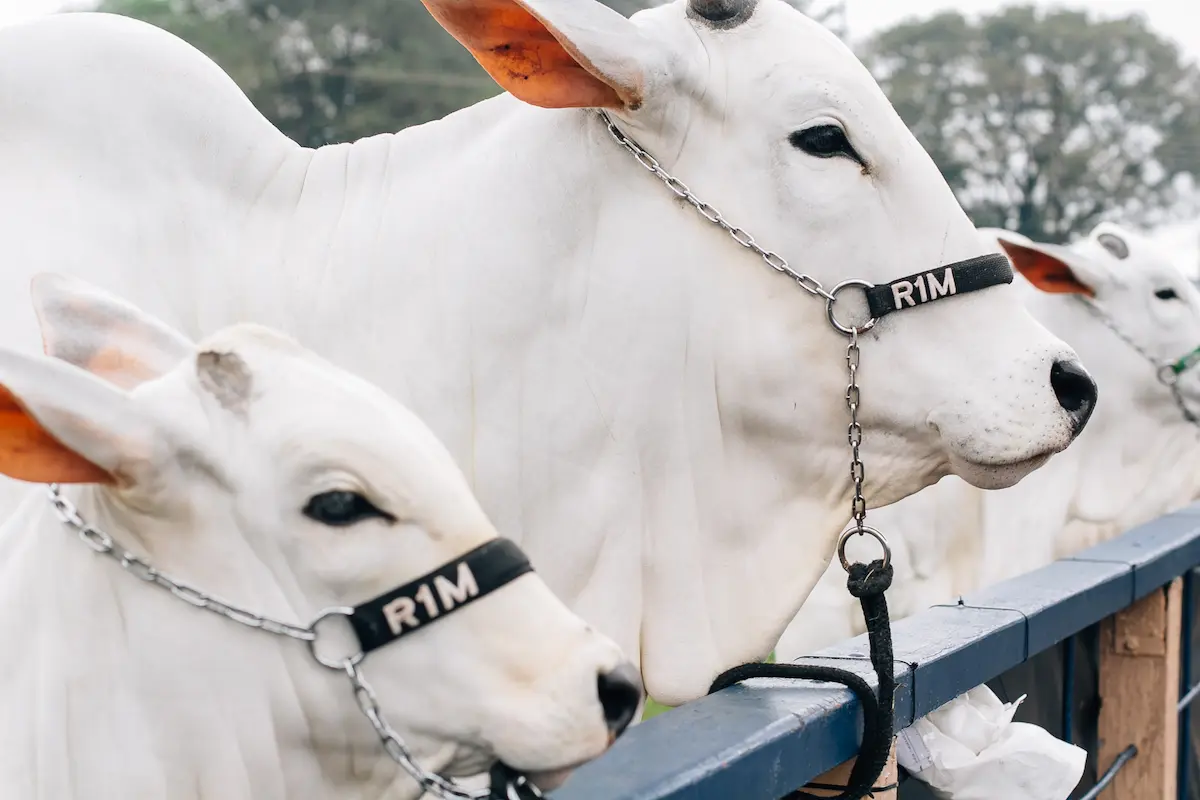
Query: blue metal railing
x=765, y=738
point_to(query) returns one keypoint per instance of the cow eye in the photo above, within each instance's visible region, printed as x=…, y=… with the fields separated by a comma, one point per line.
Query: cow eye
x=341, y=508
x=824, y=141
x=1167, y=294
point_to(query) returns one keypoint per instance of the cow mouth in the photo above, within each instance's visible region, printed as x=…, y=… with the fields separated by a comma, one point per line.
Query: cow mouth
x=990, y=475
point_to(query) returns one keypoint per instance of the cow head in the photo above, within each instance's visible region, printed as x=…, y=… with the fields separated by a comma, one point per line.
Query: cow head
x=295, y=487
x=1140, y=292
x=772, y=120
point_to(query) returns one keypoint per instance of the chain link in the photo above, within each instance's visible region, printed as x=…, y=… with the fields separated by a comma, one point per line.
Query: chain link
x=858, y=504
x=104, y=545
x=1162, y=371
x=680, y=189
x=393, y=745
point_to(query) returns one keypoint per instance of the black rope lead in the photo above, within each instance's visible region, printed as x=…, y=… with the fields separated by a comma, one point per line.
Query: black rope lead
x=508, y=784
x=867, y=582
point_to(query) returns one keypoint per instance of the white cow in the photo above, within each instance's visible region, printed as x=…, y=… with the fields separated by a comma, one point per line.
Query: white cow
x=250, y=468
x=656, y=417
x=1139, y=457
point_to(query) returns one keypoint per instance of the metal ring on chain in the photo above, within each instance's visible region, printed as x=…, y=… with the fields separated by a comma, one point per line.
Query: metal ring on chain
x=341, y=664
x=861, y=529
x=1167, y=376
x=833, y=293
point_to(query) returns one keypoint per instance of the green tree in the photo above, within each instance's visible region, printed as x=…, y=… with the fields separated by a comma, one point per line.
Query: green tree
x=337, y=70
x=327, y=70
x=1045, y=122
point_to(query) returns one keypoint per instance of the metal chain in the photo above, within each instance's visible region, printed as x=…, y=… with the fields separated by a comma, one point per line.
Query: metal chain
x=103, y=544
x=1163, y=371
x=1112, y=326
x=858, y=504
x=772, y=259
x=393, y=745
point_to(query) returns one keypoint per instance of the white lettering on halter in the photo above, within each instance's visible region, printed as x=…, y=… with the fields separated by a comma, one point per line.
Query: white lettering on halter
x=901, y=291
x=927, y=287
x=400, y=611
x=450, y=593
x=403, y=610
x=945, y=288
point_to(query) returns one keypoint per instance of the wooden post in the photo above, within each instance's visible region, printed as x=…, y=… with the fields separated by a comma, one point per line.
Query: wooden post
x=1139, y=689
x=838, y=775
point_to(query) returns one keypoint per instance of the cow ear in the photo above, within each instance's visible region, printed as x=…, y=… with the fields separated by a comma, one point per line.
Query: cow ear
x=553, y=53
x=103, y=334
x=1046, y=266
x=59, y=424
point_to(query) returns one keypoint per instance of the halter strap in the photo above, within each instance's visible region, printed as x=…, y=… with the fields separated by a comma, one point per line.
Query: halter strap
x=436, y=594
x=925, y=287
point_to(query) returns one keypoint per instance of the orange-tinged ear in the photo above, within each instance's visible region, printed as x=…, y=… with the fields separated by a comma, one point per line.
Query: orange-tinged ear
x=1044, y=270
x=106, y=336
x=29, y=453
x=551, y=53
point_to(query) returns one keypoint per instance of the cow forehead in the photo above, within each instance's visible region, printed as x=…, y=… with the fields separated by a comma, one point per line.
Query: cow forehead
x=1147, y=262
x=777, y=51
x=336, y=420
x=297, y=395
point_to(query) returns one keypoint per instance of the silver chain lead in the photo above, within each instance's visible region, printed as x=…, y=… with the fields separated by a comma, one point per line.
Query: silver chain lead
x=858, y=504
x=393, y=745
x=104, y=545
x=858, y=473
x=1163, y=372
x=680, y=189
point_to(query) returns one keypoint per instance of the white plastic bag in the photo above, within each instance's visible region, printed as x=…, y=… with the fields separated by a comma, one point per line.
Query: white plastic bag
x=970, y=749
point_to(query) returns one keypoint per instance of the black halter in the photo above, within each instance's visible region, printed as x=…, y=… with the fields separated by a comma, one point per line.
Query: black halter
x=950, y=280
x=437, y=594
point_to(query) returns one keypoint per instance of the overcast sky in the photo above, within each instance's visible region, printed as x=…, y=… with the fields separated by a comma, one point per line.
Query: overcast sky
x=1177, y=18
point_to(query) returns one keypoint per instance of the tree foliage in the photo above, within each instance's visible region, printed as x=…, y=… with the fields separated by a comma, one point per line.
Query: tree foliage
x=337, y=70
x=1046, y=122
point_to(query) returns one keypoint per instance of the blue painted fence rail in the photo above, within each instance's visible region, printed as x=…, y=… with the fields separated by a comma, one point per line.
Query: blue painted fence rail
x=765, y=738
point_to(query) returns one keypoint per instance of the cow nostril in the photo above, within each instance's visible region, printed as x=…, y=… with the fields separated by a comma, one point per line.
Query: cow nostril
x=620, y=695
x=1075, y=390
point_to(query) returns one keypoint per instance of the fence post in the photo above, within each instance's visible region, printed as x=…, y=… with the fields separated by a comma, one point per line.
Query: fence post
x=839, y=774
x=1139, y=689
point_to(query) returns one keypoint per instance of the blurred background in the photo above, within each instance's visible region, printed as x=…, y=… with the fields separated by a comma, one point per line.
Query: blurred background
x=1044, y=117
